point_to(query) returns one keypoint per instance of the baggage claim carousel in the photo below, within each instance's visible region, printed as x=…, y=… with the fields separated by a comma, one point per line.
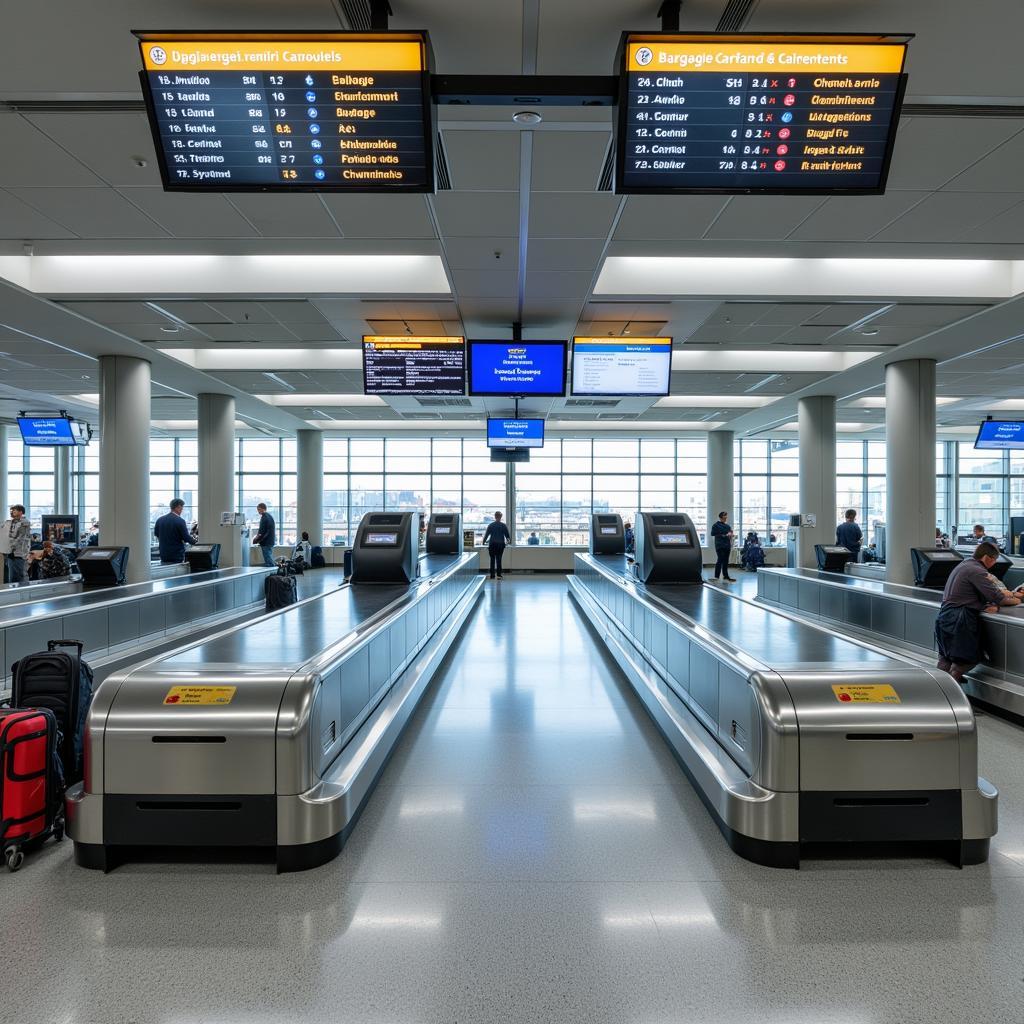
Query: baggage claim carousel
x=792, y=734
x=272, y=734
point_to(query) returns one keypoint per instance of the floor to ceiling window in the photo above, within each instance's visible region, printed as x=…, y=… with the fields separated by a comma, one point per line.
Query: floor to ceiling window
x=266, y=471
x=766, y=488
x=30, y=478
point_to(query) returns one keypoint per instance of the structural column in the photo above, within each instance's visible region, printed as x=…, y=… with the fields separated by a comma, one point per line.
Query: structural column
x=216, y=435
x=720, y=478
x=124, y=459
x=310, y=512
x=62, y=480
x=3, y=470
x=909, y=464
x=816, y=418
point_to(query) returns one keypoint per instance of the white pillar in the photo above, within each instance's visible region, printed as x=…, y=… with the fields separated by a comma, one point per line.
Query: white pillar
x=909, y=464
x=124, y=459
x=816, y=419
x=3, y=470
x=62, y=480
x=720, y=479
x=216, y=436
x=310, y=485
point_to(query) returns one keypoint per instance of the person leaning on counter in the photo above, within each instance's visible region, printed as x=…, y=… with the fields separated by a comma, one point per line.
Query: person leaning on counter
x=969, y=591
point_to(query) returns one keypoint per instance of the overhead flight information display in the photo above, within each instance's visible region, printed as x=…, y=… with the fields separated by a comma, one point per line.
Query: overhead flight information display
x=339, y=112
x=621, y=366
x=741, y=114
x=407, y=365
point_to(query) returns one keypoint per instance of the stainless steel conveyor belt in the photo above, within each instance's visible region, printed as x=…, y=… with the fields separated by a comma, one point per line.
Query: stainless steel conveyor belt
x=114, y=618
x=902, y=616
x=793, y=734
x=270, y=733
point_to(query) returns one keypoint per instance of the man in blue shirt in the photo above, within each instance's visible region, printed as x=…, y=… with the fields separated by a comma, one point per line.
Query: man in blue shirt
x=721, y=533
x=265, y=535
x=496, y=536
x=849, y=535
x=171, y=532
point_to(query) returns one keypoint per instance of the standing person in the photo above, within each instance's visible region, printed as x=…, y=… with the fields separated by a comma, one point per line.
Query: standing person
x=171, y=532
x=969, y=591
x=848, y=534
x=17, y=542
x=265, y=535
x=496, y=536
x=630, y=538
x=721, y=533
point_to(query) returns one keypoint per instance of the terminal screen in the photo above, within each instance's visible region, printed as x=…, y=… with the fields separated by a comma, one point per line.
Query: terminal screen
x=442, y=530
x=289, y=112
x=942, y=556
x=46, y=432
x=621, y=366
x=525, y=433
x=1000, y=434
x=413, y=366
x=674, y=538
x=517, y=368
x=757, y=113
x=381, y=538
x=608, y=531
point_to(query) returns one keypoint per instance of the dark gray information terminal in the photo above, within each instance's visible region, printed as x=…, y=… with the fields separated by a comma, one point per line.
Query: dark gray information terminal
x=667, y=548
x=102, y=567
x=607, y=537
x=386, y=548
x=444, y=534
x=932, y=566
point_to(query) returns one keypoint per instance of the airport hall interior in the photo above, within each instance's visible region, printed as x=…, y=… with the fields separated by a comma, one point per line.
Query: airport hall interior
x=512, y=512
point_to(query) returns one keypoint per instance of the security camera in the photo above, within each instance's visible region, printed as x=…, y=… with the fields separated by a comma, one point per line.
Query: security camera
x=140, y=161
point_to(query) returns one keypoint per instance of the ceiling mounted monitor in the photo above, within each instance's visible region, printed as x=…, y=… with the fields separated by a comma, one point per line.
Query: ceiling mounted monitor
x=744, y=113
x=408, y=365
x=515, y=433
x=999, y=435
x=290, y=111
x=621, y=366
x=52, y=432
x=534, y=369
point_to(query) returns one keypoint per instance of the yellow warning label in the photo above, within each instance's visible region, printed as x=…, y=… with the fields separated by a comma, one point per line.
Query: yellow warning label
x=200, y=694
x=873, y=693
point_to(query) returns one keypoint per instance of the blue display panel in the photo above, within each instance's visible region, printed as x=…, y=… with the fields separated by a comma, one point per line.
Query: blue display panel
x=47, y=432
x=517, y=368
x=999, y=435
x=522, y=433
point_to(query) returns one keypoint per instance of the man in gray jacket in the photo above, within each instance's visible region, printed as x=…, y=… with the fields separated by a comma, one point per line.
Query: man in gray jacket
x=16, y=540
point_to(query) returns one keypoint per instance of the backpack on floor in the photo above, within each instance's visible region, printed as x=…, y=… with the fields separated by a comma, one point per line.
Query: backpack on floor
x=62, y=682
x=316, y=558
x=279, y=592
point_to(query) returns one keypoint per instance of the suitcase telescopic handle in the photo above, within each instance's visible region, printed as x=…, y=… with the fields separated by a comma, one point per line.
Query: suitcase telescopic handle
x=52, y=645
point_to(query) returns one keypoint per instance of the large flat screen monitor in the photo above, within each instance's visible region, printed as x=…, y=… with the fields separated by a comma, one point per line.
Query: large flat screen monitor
x=413, y=365
x=290, y=111
x=746, y=113
x=49, y=432
x=998, y=435
x=534, y=368
x=524, y=433
x=621, y=366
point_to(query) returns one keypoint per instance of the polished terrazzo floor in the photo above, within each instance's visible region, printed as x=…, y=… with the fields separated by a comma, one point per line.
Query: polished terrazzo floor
x=532, y=853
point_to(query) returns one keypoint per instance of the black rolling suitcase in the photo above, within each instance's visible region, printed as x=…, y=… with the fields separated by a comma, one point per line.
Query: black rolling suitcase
x=62, y=682
x=316, y=557
x=279, y=591
x=347, y=563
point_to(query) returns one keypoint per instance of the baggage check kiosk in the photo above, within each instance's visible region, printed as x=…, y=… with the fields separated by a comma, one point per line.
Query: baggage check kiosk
x=667, y=548
x=792, y=734
x=271, y=734
x=607, y=534
x=444, y=534
x=386, y=548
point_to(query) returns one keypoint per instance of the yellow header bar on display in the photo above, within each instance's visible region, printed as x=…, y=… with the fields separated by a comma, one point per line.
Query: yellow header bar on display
x=268, y=54
x=408, y=341
x=829, y=57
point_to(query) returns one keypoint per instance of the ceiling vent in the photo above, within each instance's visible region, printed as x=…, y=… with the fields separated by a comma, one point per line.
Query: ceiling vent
x=735, y=15
x=604, y=182
x=591, y=403
x=443, y=175
x=445, y=403
x=357, y=14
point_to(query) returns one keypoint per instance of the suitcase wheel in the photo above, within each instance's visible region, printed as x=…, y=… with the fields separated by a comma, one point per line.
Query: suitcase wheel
x=15, y=857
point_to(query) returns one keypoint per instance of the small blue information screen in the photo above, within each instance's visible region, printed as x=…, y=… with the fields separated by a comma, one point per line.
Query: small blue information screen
x=517, y=368
x=1000, y=434
x=46, y=432
x=526, y=433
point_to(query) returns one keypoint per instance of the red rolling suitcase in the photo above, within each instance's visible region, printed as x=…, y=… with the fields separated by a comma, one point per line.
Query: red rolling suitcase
x=31, y=783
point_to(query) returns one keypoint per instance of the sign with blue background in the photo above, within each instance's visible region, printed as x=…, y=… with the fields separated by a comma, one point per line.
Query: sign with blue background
x=517, y=368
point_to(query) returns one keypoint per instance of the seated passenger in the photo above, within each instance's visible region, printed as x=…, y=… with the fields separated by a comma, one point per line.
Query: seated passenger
x=303, y=549
x=981, y=537
x=533, y=540
x=755, y=556
x=53, y=561
x=749, y=540
x=969, y=591
x=630, y=538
